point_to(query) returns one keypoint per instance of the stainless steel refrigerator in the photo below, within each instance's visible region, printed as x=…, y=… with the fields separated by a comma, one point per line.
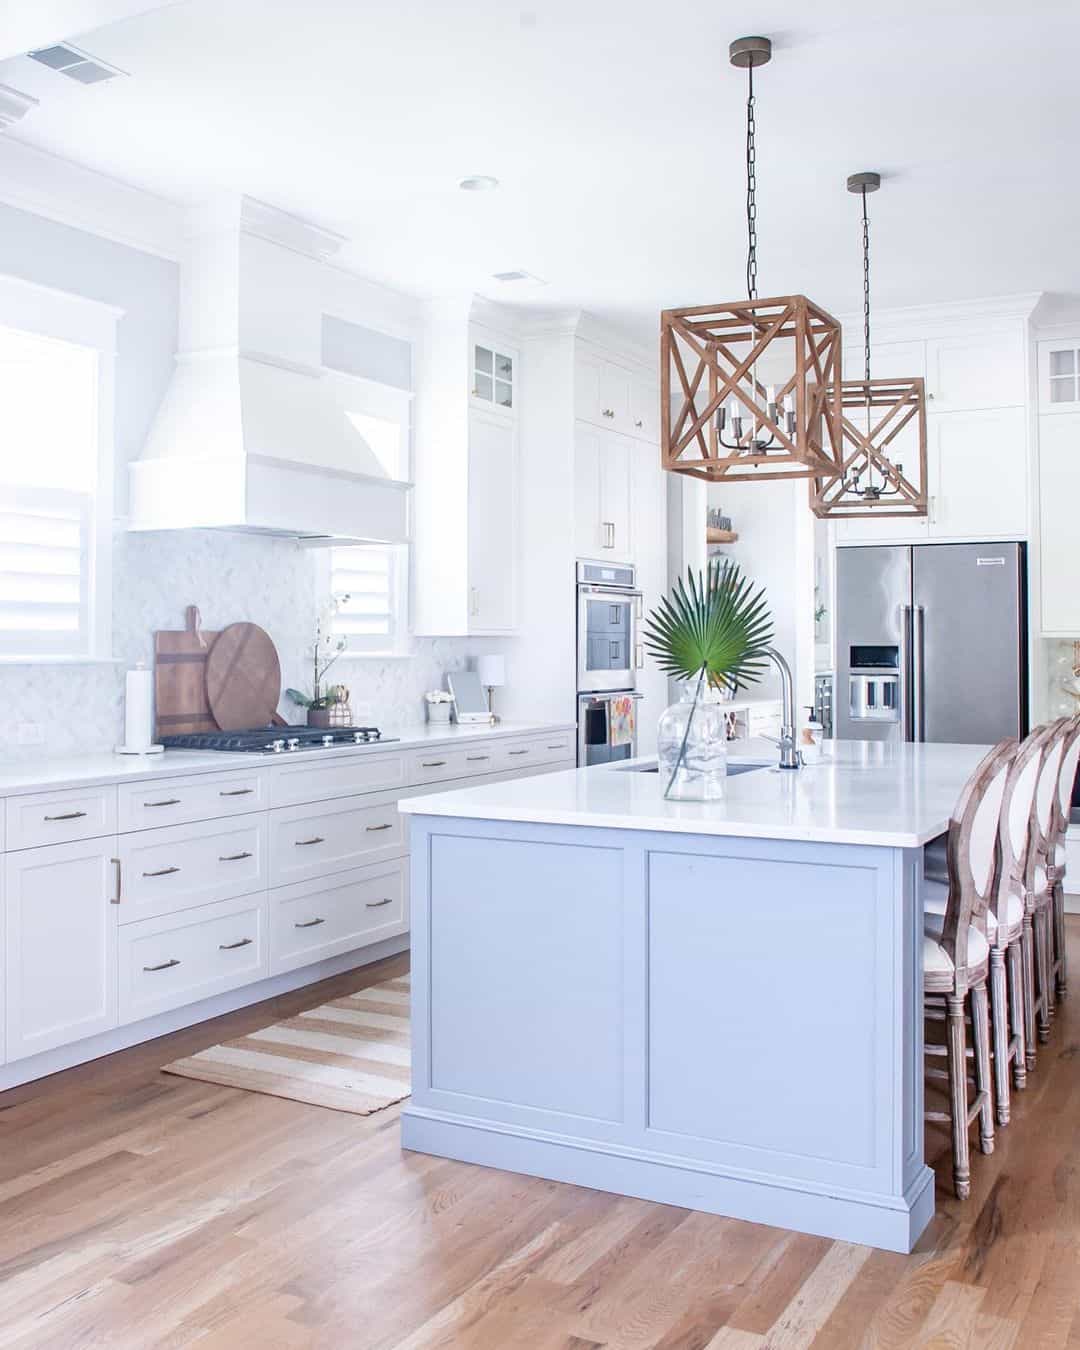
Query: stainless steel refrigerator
x=931, y=643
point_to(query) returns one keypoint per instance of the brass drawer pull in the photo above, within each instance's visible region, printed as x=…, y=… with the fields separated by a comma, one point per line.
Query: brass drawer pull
x=162, y=872
x=232, y=946
x=315, y=839
x=236, y=792
x=68, y=815
x=232, y=857
x=372, y=829
x=165, y=965
x=311, y=923
x=432, y=763
x=167, y=801
x=378, y=904
x=474, y=759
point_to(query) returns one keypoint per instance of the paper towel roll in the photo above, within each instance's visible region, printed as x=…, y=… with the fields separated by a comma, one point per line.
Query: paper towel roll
x=138, y=710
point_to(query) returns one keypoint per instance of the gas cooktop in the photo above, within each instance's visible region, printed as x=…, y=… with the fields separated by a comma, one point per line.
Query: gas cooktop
x=276, y=740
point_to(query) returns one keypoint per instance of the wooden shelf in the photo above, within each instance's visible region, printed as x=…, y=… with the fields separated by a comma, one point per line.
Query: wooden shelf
x=715, y=536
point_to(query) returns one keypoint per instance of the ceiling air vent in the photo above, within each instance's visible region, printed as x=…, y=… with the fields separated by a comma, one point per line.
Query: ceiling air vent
x=75, y=64
x=518, y=276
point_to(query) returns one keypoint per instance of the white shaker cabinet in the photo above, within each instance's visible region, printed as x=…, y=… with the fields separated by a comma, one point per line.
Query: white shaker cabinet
x=978, y=474
x=492, y=524
x=980, y=370
x=1059, y=493
x=603, y=525
x=60, y=944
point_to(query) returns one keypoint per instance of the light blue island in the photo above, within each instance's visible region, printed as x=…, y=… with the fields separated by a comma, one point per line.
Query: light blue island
x=713, y=1005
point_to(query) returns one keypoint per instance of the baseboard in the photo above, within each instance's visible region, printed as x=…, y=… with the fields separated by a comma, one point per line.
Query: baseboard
x=80, y=1052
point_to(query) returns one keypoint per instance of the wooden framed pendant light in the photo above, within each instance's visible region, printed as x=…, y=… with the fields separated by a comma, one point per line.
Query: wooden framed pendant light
x=872, y=481
x=750, y=389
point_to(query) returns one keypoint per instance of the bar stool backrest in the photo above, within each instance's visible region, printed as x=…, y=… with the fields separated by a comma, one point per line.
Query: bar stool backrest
x=972, y=850
x=1016, y=814
x=1070, y=757
x=1040, y=850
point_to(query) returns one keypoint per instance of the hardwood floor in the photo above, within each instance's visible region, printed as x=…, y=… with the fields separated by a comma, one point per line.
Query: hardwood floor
x=142, y=1210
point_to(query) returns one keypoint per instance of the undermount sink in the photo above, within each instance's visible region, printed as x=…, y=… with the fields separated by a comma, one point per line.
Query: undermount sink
x=733, y=770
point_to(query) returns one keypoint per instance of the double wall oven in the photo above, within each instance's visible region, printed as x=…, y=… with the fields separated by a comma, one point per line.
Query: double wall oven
x=609, y=655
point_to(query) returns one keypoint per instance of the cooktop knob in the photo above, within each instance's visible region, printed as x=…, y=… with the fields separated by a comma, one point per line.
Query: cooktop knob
x=277, y=747
x=328, y=740
x=293, y=743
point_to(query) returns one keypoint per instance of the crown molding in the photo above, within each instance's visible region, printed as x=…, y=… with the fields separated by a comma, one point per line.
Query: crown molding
x=586, y=327
x=59, y=189
x=917, y=318
x=233, y=211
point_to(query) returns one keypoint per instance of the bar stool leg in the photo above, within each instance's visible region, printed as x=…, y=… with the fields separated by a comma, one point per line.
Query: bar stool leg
x=980, y=1039
x=1027, y=944
x=1059, y=938
x=1044, y=1004
x=956, y=1041
x=1015, y=961
x=999, y=1027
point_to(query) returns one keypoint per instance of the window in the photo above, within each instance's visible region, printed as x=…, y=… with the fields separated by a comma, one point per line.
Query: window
x=55, y=488
x=373, y=617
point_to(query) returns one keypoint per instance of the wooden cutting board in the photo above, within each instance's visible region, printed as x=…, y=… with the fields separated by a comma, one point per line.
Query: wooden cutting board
x=180, y=657
x=243, y=677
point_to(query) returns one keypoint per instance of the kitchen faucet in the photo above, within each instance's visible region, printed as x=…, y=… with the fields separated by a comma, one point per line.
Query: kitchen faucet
x=790, y=758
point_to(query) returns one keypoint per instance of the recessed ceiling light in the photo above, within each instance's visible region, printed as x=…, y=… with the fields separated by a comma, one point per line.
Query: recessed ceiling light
x=479, y=182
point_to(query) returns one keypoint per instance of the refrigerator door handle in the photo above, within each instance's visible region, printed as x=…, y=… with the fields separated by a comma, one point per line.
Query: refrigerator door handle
x=906, y=720
x=918, y=684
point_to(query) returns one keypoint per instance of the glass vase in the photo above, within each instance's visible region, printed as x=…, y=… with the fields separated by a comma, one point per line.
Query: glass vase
x=691, y=746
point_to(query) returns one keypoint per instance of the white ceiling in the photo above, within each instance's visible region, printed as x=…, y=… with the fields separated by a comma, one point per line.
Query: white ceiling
x=616, y=129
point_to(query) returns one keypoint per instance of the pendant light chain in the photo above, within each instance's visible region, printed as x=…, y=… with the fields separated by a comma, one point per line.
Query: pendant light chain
x=866, y=287
x=751, y=189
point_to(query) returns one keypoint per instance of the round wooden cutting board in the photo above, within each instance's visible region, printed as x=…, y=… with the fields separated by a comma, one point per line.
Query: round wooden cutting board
x=243, y=677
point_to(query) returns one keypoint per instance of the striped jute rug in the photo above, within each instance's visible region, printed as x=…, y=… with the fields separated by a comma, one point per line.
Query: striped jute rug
x=351, y=1054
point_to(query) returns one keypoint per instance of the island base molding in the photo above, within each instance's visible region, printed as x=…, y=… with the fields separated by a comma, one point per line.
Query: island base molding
x=890, y=1224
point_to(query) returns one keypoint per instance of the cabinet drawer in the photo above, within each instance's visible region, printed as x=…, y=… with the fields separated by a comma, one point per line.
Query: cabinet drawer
x=434, y=766
x=173, y=801
x=317, y=919
x=522, y=755
x=167, y=962
x=341, y=776
x=307, y=842
x=60, y=817
x=163, y=871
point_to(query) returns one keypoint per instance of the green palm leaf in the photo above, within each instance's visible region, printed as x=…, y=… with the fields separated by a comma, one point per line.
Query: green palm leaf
x=715, y=623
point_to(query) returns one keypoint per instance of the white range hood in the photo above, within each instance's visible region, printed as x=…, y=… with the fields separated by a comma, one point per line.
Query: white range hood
x=252, y=433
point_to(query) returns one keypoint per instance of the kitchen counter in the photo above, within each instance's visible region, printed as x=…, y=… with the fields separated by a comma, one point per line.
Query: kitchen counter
x=713, y=1005
x=863, y=792
x=19, y=774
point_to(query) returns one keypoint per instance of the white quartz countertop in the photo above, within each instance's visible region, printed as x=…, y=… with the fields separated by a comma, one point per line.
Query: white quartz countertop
x=27, y=773
x=863, y=792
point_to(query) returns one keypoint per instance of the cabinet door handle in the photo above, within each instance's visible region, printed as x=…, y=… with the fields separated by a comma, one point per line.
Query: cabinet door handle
x=608, y=412
x=166, y=801
x=639, y=657
x=165, y=965
x=557, y=747
x=162, y=872
x=609, y=534
x=315, y=839
x=311, y=923
x=236, y=792
x=638, y=423
x=475, y=759
x=119, y=881
x=233, y=857
x=68, y=815
x=518, y=752
x=232, y=946
x=378, y=904
x=432, y=763
x=374, y=829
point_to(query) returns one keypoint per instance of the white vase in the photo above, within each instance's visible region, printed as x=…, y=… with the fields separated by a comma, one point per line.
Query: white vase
x=438, y=714
x=691, y=747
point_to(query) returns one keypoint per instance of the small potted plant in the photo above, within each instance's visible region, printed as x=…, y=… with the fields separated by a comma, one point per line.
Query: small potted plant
x=325, y=649
x=438, y=703
x=713, y=634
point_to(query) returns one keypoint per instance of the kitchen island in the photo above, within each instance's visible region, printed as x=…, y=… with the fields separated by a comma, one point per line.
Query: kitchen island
x=714, y=1005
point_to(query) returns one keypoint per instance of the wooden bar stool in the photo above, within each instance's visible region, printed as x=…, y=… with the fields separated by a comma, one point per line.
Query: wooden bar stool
x=1055, y=870
x=1005, y=924
x=1037, y=898
x=956, y=959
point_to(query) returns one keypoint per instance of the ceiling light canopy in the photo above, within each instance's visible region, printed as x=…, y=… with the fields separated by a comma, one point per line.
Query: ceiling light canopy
x=479, y=182
x=750, y=389
x=880, y=419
